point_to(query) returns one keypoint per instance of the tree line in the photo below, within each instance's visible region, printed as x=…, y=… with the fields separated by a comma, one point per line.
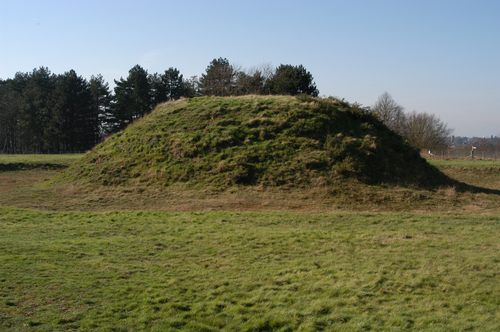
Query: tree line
x=41, y=112
x=422, y=130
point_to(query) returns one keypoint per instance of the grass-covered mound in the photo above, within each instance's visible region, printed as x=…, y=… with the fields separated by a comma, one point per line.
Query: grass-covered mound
x=255, y=140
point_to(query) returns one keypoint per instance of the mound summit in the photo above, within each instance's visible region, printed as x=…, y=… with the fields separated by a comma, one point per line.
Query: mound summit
x=279, y=141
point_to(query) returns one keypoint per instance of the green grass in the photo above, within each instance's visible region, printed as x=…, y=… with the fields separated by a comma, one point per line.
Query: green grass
x=248, y=271
x=463, y=163
x=152, y=271
x=10, y=162
x=272, y=141
x=478, y=173
x=477, y=193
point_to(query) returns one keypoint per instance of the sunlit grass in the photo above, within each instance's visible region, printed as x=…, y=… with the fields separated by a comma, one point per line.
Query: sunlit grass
x=132, y=271
x=39, y=159
x=463, y=163
x=272, y=141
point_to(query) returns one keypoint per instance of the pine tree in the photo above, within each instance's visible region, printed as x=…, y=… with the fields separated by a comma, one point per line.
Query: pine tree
x=292, y=80
x=219, y=78
x=36, y=109
x=101, y=104
x=174, y=83
x=159, y=92
x=167, y=86
x=10, y=112
x=132, y=99
x=73, y=126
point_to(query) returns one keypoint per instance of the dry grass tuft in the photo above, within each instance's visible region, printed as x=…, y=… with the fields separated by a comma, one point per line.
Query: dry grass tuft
x=449, y=192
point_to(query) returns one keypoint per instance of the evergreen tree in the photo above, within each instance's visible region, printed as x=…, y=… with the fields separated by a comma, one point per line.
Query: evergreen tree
x=219, y=78
x=174, y=83
x=167, y=86
x=73, y=126
x=10, y=111
x=36, y=109
x=132, y=99
x=101, y=104
x=40, y=111
x=291, y=80
x=158, y=89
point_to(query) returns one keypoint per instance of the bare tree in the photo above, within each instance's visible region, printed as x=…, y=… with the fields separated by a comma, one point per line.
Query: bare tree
x=252, y=80
x=421, y=130
x=390, y=113
x=425, y=131
x=192, y=87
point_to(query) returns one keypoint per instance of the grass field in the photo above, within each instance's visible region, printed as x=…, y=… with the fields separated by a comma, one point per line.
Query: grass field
x=463, y=163
x=480, y=173
x=12, y=162
x=61, y=159
x=132, y=271
x=234, y=270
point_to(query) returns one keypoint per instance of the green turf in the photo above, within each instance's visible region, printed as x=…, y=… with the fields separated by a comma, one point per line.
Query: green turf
x=219, y=271
x=9, y=162
x=273, y=141
x=463, y=163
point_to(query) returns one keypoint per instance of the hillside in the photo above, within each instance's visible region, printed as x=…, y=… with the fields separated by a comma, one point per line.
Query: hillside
x=276, y=141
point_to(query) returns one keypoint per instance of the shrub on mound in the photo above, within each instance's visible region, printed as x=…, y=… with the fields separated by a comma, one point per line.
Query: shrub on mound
x=255, y=140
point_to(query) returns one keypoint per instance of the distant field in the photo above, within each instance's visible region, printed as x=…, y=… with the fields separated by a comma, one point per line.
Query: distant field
x=221, y=271
x=463, y=163
x=479, y=173
x=34, y=159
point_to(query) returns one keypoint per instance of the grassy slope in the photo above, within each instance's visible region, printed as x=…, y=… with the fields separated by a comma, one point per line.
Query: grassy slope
x=133, y=271
x=254, y=140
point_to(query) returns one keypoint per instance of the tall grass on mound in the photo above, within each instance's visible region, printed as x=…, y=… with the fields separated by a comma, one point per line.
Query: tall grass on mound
x=255, y=140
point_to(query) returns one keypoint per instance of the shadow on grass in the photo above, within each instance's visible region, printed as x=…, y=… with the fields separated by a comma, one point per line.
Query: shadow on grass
x=464, y=187
x=28, y=166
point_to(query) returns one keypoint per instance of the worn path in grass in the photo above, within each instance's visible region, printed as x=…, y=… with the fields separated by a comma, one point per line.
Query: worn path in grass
x=133, y=271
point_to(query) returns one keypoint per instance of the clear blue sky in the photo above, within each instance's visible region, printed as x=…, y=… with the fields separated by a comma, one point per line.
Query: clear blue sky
x=440, y=57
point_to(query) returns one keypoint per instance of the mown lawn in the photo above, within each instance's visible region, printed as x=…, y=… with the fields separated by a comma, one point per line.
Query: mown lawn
x=463, y=163
x=23, y=162
x=212, y=271
x=61, y=159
